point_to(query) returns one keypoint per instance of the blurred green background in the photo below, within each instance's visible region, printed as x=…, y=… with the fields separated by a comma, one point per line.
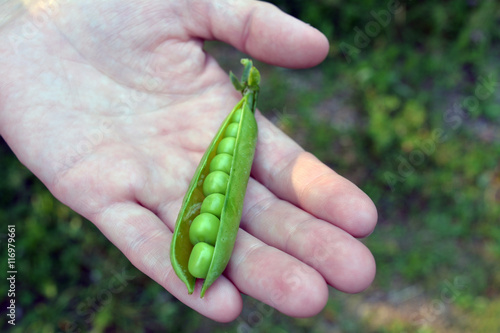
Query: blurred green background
x=406, y=105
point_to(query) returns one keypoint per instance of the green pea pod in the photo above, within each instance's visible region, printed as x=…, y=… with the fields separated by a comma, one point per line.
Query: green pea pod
x=234, y=192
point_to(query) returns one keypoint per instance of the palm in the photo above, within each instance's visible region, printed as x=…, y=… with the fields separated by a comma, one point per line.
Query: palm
x=123, y=105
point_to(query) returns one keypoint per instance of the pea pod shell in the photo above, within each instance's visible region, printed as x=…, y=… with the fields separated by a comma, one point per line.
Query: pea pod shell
x=235, y=195
x=233, y=205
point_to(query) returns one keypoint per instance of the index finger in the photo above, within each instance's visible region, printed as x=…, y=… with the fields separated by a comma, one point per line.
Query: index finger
x=300, y=178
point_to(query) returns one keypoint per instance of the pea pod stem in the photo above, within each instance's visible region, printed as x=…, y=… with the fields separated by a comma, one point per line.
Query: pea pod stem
x=249, y=84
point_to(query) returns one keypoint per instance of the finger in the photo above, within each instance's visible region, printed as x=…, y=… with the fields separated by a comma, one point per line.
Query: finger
x=145, y=241
x=299, y=177
x=275, y=278
x=261, y=30
x=269, y=274
x=343, y=261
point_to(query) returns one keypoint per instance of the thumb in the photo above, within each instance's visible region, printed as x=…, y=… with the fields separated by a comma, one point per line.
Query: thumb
x=261, y=30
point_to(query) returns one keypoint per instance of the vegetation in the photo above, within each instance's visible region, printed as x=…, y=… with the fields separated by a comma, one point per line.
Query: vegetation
x=406, y=106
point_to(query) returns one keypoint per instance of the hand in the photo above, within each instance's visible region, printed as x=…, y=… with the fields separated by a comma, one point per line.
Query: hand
x=112, y=104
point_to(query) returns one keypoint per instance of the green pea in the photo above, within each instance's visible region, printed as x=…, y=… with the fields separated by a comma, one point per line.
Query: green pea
x=226, y=146
x=200, y=260
x=232, y=130
x=221, y=162
x=204, y=229
x=216, y=182
x=237, y=116
x=218, y=187
x=213, y=204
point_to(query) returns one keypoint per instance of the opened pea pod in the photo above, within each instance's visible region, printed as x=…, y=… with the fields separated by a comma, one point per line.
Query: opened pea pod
x=208, y=222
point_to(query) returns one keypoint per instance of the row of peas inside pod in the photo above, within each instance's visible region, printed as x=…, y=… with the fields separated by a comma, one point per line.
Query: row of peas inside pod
x=205, y=227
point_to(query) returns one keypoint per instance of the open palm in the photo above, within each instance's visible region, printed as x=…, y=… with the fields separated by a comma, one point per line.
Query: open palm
x=112, y=104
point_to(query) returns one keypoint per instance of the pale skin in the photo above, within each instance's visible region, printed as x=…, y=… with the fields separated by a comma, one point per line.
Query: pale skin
x=111, y=104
